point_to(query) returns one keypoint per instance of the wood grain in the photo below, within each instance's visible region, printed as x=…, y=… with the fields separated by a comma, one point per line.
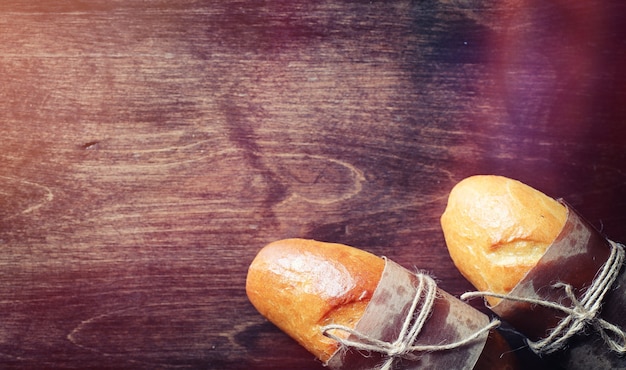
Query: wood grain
x=150, y=149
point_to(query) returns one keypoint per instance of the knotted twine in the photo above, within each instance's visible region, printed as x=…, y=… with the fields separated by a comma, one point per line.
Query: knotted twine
x=582, y=313
x=404, y=346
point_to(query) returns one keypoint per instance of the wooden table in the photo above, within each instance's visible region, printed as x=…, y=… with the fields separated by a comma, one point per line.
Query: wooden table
x=148, y=150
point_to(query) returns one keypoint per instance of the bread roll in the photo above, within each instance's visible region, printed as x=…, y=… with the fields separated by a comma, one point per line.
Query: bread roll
x=496, y=230
x=302, y=285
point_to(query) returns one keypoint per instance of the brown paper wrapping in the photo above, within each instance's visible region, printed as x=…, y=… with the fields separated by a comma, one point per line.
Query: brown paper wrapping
x=574, y=258
x=451, y=320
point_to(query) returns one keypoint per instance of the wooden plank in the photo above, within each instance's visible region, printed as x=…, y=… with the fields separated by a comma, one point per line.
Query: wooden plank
x=149, y=150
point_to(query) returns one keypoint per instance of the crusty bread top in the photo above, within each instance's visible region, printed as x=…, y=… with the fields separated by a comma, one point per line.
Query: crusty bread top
x=496, y=230
x=301, y=285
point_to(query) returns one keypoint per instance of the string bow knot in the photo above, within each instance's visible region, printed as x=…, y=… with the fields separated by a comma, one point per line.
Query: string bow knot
x=404, y=346
x=582, y=313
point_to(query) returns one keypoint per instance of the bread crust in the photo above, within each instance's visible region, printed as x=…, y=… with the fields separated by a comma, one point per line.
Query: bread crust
x=496, y=229
x=301, y=285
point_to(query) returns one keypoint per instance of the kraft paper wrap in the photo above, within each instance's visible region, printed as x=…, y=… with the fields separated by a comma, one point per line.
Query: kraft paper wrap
x=451, y=320
x=575, y=257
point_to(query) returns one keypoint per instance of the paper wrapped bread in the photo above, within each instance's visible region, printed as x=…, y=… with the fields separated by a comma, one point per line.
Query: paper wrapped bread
x=496, y=230
x=303, y=285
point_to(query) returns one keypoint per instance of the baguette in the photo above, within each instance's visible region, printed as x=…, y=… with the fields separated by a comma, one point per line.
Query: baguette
x=302, y=285
x=496, y=229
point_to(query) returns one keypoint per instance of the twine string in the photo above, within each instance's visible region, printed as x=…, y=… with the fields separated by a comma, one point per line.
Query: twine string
x=582, y=313
x=404, y=346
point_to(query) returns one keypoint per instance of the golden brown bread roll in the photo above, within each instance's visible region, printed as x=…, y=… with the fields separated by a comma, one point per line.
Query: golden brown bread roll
x=302, y=285
x=496, y=230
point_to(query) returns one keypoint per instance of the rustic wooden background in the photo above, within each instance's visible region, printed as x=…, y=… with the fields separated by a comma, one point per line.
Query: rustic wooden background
x=149, y=149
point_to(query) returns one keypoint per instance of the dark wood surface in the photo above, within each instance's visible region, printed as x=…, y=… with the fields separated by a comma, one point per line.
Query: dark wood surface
x=149, y=149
